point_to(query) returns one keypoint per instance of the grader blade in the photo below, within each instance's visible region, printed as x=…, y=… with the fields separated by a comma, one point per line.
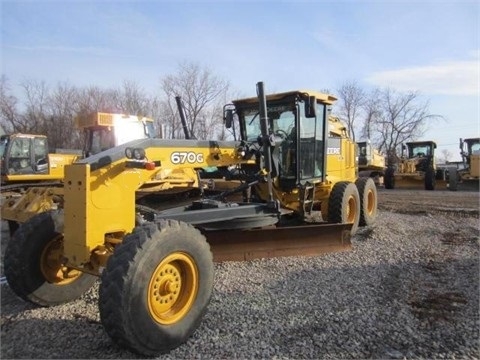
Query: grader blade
x=417, y=183
x=409, y=182
x=307, y=240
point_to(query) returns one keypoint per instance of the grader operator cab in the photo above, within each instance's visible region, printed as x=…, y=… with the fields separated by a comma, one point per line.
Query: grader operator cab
x=416, y=167
x=156, y=266
x=26, y=160
x=468, y=177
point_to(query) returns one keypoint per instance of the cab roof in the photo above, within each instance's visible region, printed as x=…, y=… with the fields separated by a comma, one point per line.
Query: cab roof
x=321, y=97
x=427, y=142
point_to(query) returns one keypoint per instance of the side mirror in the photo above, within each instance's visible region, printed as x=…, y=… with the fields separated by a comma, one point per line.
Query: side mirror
x=311, y=107
x=228, y=118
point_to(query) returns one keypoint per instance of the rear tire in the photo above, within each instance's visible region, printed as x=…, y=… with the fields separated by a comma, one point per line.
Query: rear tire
x=344, y=205
x=368, y=201
x=389, y=178
x=33, y=266
x=156, y=287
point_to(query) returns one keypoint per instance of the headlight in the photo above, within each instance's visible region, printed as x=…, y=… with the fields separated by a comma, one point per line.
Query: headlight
x=138, y=154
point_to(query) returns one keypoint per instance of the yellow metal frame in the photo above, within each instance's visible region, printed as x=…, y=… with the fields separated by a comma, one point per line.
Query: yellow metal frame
x=109, y=193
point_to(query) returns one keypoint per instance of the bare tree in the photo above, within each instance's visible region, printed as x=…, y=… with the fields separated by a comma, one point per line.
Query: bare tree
x=33, y=118
x=131, y=99
x=52, y=112
x=199, y=89
x=8, y=106
x=401, y=118
x=371, y=111
x=60, y=123
x=94, y=99
x=351, y=102
x=155, y=112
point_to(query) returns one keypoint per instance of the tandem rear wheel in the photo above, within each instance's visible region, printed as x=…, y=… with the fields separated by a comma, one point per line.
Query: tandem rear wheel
x=368, y=200
x=344, y=205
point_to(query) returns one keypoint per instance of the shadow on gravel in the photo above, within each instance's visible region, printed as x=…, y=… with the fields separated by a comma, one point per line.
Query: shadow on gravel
x=11, y=304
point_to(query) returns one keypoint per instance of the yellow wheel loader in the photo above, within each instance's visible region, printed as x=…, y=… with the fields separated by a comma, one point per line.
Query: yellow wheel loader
x=417, y=168
x=156, y=264
x=468, y=176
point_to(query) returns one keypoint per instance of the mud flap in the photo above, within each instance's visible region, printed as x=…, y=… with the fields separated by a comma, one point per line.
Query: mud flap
x=305, y=240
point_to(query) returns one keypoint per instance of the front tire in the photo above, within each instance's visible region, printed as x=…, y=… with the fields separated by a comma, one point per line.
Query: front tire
x=34, y=268
x=344, y=205
x=430, y=179
x=368, y=201
x=156, y=287
x=389, y=179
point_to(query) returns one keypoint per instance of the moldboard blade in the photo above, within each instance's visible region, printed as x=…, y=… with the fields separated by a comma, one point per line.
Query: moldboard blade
x=305, y=240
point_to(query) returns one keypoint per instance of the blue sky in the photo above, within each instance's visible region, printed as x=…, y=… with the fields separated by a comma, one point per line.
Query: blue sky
x=428, y=46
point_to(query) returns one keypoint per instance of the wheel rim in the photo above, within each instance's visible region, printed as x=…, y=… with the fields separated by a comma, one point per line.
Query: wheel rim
x=351, y=209
x=370, y=202
x=173, y=288
x=52, y=266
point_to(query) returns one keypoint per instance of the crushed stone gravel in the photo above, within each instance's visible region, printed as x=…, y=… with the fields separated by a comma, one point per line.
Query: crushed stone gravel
x=409, y=288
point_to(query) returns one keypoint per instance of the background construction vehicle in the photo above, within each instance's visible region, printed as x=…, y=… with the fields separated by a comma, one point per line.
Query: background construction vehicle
x=156, y=266
x=416, y=168
x=26, y=160
x=371, y=163
x=468, y=176
x=32, y=178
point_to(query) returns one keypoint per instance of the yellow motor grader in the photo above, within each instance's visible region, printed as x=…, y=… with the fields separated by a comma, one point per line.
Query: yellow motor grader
x=468, y=176
x=415, y=168
x=156, y=264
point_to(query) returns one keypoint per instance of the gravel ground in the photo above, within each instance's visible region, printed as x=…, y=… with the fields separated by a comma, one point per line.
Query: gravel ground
x=409, y=288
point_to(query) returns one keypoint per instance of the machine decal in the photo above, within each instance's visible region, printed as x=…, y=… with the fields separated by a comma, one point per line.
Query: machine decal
x=334, y=147
x=182, y=157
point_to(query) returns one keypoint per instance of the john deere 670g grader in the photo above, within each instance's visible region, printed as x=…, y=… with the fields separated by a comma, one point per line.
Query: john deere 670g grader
x=156, y=266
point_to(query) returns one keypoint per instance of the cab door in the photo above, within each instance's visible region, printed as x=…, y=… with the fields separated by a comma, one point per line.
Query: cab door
x=311, y=145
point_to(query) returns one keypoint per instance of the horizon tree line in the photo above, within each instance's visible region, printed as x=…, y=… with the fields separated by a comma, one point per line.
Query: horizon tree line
x=384, y=116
